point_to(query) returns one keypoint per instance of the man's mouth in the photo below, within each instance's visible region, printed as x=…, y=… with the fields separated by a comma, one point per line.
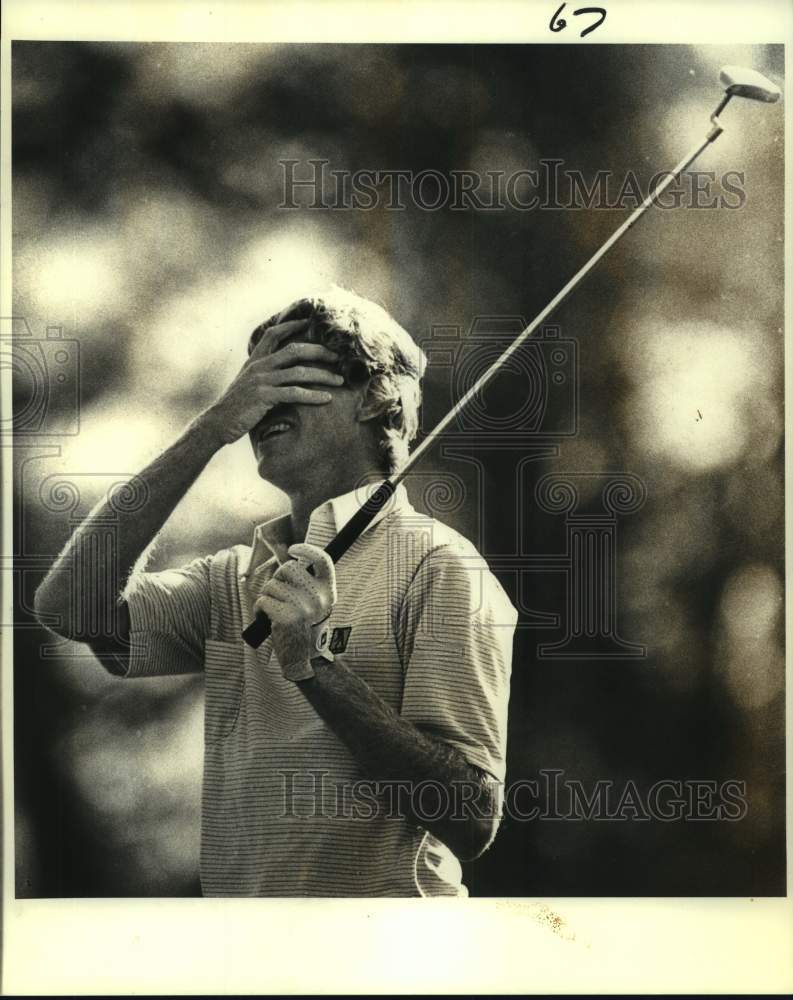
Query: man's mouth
x=275, y=429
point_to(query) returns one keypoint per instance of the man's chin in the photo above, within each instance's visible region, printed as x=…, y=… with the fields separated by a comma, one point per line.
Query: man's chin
x=266, y=468
x=277, y=469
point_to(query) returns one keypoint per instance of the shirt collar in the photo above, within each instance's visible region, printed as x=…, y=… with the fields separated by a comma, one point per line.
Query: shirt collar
x=273, y=538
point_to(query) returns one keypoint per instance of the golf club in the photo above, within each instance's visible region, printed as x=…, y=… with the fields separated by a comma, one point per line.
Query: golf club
x=737, y=82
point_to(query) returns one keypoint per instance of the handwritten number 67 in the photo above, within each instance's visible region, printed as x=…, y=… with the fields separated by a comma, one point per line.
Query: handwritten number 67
x=559, y=24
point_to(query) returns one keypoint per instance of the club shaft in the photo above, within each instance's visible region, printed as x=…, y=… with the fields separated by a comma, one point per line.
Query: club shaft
x=555, y=302
x=259, y=629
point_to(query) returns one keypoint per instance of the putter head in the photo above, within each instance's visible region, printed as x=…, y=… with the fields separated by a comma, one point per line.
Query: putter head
x=741, y=82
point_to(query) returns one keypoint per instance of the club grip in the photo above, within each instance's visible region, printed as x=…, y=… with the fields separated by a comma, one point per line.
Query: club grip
x=259, y=629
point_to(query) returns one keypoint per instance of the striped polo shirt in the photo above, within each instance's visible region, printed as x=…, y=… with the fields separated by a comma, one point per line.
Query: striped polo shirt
x=419, y=617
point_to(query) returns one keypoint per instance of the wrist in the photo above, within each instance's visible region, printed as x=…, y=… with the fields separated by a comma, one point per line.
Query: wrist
x=300, y=670
x=321, y=671
x=312, y=657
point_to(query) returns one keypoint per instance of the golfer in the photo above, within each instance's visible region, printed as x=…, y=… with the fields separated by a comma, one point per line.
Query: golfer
x=360, y=750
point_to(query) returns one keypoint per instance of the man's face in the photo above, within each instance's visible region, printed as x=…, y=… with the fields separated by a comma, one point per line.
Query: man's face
x=310, y=437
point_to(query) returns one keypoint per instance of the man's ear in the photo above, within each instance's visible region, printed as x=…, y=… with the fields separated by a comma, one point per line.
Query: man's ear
x=367, y=407
x=366, y=411
x=369, y=411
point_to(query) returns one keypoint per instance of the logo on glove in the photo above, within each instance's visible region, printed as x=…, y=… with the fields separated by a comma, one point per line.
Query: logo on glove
x=339, y=639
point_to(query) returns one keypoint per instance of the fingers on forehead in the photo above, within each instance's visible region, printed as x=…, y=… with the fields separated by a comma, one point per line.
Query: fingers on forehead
x=268, y=339
x=301, y=309
x=293, y=319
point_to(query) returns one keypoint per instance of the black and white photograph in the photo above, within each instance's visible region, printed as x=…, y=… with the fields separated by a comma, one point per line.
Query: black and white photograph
x=394, y=466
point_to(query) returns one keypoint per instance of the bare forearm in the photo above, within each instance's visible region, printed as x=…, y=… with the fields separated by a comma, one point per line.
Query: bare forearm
x=161, y=485
x=390, y=748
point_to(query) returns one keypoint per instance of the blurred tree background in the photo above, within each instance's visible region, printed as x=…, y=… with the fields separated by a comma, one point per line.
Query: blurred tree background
x=146, y=225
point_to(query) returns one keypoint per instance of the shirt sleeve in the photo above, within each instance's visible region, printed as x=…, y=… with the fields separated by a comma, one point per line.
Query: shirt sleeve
x=169, y=620
x=458, y=626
